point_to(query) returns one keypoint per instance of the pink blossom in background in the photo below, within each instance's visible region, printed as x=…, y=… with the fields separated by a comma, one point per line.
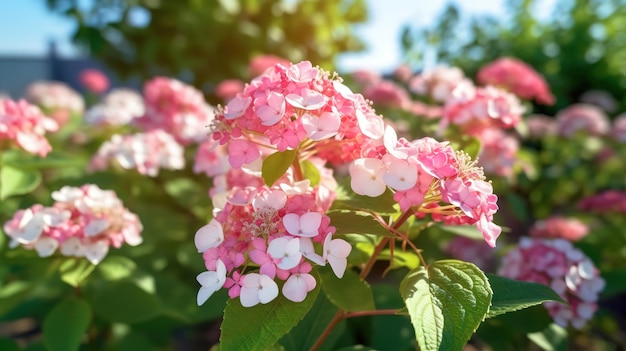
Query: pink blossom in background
x=228, y=88
x=25, y=125
x=585, y=118
x=498, y=152
x=618, y=130
x=94, y=80
x=388, y=94
x=421, y=109
x=177, y=108
x=146, y=152
x=56, y=99
x=365, y=77
x=540, y=126
x=558, y=227
x=438, y=83
x=83, y=222
x=259, y=64
x=564, y=268
x=602, y=99
x=517, y=77
x=471, y=250
x=117, y=108
x=608, y=201
x=476, y=109
x=403, y=73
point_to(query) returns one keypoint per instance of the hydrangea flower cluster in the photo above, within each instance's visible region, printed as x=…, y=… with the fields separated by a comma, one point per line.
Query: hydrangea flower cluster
x=438, y=83
x=605, y=202
x=587, y=118
x=176, y=108
x=58, y=100
x=565, y=269
x=517, y=77
x=146, y=152
x=94, y=80
x=498, y=152
x=571, y=229
x=83, y=222
x=475, y=109
x=287, y=106
x=25, y=125
x=618, y=130
x=429, y=177
x=118, y=107
x=282, y=230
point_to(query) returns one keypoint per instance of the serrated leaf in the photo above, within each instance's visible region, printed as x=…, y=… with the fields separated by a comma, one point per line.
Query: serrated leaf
x=65, y=325
x=352, y=222
x=446, y=302
x=75, y=270
x=349, y=293
x=264, y=324
x=511, y=295
x=125, y=302
x=553, y=338
x=16, y=181
x=383, y=204
x=310, y=172
x=276, y=164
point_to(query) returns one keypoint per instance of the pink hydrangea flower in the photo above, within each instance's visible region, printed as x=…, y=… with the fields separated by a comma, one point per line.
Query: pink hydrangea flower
x=24, y=124
x=94, y=80
x=562, y=267
x=228, y=89
x=82, y=222
x=259, y=64
x=119, y=107
x=602, y=99
x=56, y=99
x=571, y=229
x=618, y=130
x=540, y=126
x=609, y=201
x=585, y=118
x=146, y=152
x=498, y=152
x=176, y=108
x=388, y=94
x=438, y=83
x=517, y=77
x=475, y=109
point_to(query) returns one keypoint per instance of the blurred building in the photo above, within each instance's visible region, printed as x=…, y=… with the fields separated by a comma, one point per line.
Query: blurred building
x=18, y=71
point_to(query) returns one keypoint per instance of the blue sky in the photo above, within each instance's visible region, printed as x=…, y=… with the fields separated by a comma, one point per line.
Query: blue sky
x=28, y=27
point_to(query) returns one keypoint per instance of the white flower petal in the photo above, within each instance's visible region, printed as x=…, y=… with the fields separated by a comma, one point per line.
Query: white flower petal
x=96, y=251
x=46, y=246
x=209, y=236
x=96, y=226
x=295, y=288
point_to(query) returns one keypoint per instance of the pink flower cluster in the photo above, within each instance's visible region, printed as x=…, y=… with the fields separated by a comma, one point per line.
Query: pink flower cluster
x=298, y=106
x=585, y=118
x=618, y=130
x=498, y=152
x=176, y=108
x=83, y=222
x=282, y=230
x=475, y=109
x=429, y=177
x=119, y=107
x=605, y=202
x=147, y=152
x=438, y=83
x=571, y=229
x=559, y=265
x=24, y=124
x=58, y=100
x=94, y=80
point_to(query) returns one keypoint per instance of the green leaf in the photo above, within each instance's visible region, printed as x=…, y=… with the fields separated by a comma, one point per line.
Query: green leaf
x=469, y=231
x=16, y=181
x=256, y=328
x=65, y=325
x=310, y=172
x=125, y=302
x=276, y=164
x=446, y=302
x=511, y=295
x=360, y=297
x=116, y=267
x=352, y=222
x=356, y=348
x=553, y=338
x=383, y=204
x=52, y=160
x=8, y=345
x=75, y=270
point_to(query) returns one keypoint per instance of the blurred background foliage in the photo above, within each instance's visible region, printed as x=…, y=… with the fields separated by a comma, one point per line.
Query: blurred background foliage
x=204, y=42
x=579, y=47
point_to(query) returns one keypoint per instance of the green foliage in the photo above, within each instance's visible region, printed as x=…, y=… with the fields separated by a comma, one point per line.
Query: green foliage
x=276, y=165
x=17, y=181
x=264, y=324
x=75, y=270
x=209, y=41
x=359, y=296
x=446, y=302
x=65, y=325
x=553, y=338
x=125, y=302
x=351, y=222
x=511, y=295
